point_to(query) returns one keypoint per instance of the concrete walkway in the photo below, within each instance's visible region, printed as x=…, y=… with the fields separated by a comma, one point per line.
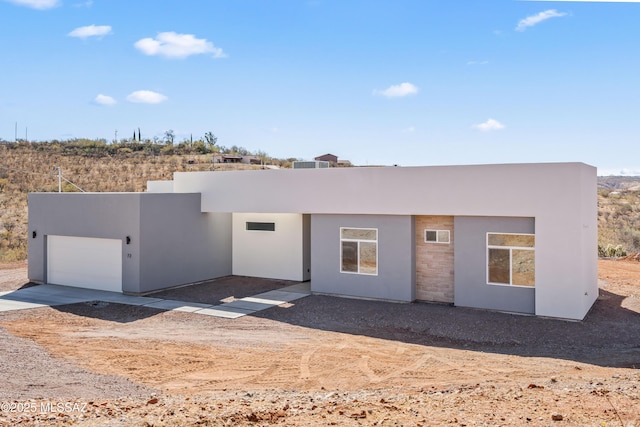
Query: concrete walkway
x=52, y=295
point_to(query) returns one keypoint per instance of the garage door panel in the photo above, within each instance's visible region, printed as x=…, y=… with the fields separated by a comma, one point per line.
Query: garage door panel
x=85, y=262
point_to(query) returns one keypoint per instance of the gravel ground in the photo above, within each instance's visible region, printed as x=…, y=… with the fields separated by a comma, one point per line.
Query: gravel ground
x=609, y=336
x=322, y=361
x=13, y=276
x=30, y=372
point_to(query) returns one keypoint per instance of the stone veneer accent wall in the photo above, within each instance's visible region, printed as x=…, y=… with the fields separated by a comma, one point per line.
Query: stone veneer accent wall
x=434, y=261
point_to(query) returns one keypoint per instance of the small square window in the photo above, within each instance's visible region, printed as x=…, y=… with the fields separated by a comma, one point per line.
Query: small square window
x=437, y=236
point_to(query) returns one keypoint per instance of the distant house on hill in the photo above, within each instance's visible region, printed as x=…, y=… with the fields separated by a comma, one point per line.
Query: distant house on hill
x=328, y=158
x=233, y=158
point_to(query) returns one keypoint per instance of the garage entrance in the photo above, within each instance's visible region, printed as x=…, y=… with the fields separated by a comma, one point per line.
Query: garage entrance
x=85, y=262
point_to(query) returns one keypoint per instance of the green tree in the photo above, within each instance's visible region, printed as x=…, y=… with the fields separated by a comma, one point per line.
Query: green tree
x=210, y=139
x=169, y=136
x=200, y=147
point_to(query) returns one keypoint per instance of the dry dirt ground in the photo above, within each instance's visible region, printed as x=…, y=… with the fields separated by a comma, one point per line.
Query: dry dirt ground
x=321, y=361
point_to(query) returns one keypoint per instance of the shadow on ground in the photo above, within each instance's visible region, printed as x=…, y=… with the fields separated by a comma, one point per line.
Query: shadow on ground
x=609, y=336
x=224, y=289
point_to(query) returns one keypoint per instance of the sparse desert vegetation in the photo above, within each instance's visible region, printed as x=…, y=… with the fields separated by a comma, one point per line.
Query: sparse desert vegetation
x=619, y=216
x=93, y=166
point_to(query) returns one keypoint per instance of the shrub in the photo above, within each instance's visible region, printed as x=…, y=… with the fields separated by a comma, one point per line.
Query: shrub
x=611, y=251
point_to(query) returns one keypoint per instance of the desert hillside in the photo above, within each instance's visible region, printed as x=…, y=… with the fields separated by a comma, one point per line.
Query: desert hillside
x=619, y=183
x=619, y=220
x=90, y=166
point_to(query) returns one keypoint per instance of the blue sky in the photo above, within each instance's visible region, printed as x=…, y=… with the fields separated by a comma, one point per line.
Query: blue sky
x=424, y=82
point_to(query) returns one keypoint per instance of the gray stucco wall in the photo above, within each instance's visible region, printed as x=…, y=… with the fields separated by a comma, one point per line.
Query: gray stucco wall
x=175, y=243
x=179, y=244
x=103, y=215
x=396, y=261
x=470, y=265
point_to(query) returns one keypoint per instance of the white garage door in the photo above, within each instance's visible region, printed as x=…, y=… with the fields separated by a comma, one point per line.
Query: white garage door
x=85, y=262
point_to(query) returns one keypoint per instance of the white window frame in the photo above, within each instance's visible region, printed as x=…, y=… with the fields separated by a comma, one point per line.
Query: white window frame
x=448, y=242
x=358, y=250
x=510, y=248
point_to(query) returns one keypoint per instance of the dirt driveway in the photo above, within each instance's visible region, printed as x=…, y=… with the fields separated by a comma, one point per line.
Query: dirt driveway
x=322, y=361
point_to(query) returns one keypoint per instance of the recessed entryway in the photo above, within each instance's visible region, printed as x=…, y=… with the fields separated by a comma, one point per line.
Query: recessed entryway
x=434, y=258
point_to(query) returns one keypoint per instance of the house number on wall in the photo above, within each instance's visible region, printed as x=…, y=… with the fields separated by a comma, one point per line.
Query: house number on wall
x=128, y=255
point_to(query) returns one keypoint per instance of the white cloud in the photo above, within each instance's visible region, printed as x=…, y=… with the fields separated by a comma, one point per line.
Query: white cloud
x=396, y=91
x=409, y=129
x=532, y=20
x=477, y=62
x=146, y=97
x=630, y=172
x=90, y=31
x=36, y=4
x=174, y=45
x=489, y=125
x=104, y=100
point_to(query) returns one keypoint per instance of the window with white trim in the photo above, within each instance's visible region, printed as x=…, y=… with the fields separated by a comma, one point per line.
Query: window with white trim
x=437, y=236
x=511, y=259
x=359, y=250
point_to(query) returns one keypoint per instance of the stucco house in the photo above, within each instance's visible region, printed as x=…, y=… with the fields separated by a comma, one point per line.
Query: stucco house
x=497, y=237
x=331, y=158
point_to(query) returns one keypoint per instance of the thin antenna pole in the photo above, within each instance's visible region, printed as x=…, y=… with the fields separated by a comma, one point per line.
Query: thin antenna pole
x=16, y=138
x=59, y=179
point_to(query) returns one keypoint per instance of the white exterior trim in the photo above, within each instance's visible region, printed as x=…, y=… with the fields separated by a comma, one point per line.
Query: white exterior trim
x=510, y=249
x=358, y=252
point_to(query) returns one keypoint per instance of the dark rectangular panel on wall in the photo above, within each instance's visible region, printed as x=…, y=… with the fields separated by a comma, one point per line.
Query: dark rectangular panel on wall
x=261, y=226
